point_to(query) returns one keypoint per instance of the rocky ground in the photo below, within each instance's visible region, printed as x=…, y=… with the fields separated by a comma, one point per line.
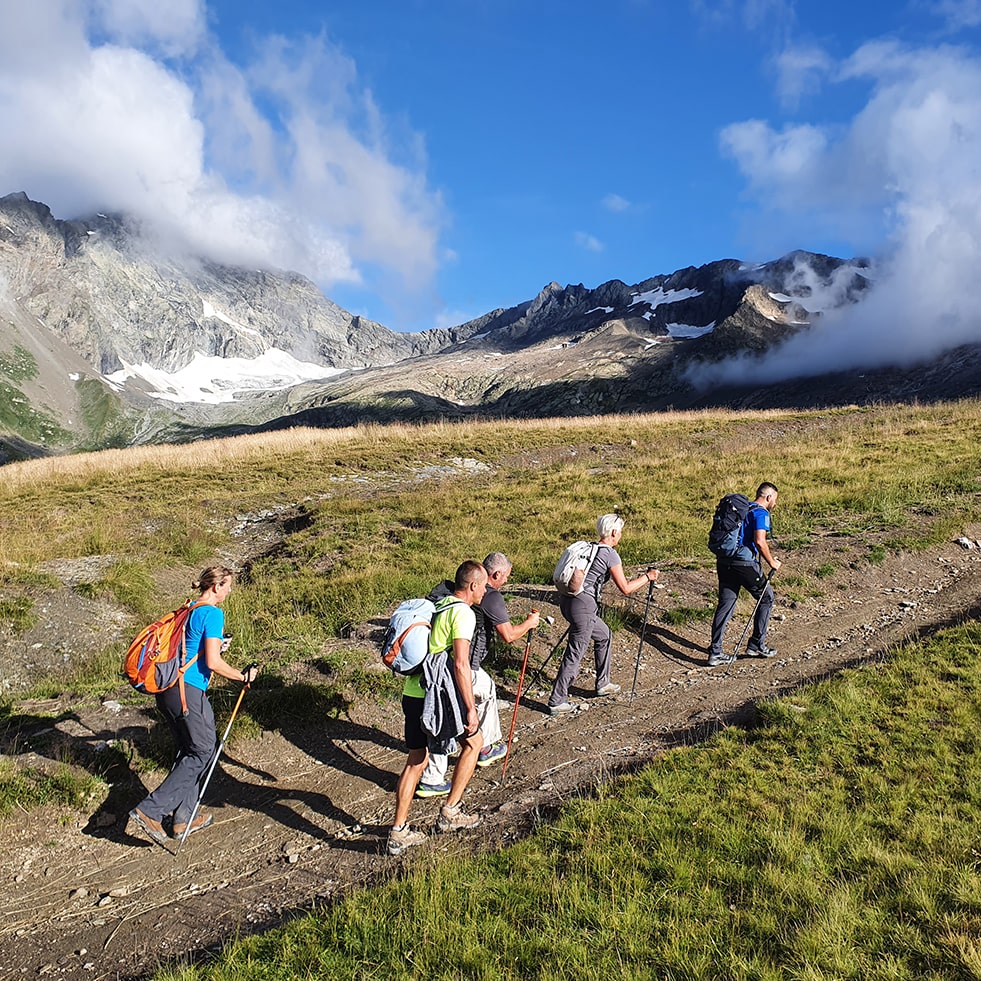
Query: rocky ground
x=301, y=812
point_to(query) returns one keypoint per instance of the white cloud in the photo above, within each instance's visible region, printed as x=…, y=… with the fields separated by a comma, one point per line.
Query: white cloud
x=909, y=158
x=960, y=13
x=800, y=72
x=588, y=242
x=283, y=161
x=175, y=26
x=615, y=203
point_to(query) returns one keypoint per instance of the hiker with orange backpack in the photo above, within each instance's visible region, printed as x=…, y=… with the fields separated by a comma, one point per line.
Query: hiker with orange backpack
x=188, y=714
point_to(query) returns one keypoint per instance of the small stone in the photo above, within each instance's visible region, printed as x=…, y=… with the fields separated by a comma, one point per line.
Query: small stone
x=79, y=893
x=105, y=901
x=292, y=858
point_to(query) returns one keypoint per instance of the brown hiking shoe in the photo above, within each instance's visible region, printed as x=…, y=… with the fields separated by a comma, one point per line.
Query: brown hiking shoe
x=154, y=829
x=201, y=822
x=401, y=838
x=455, y=819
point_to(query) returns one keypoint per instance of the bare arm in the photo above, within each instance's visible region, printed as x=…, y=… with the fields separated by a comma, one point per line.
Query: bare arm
x=217, y=664
x=627, y=587
x=764, y=549
x=510, y=632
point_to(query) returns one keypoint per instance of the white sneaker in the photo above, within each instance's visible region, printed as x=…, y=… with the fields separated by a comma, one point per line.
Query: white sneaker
x=609, y=689
x=561, y=709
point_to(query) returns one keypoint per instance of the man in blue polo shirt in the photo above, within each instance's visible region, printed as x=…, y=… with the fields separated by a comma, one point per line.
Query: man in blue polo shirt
x=744, y=571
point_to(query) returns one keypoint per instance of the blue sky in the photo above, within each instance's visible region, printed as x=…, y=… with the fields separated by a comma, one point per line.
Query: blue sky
x=426, y=161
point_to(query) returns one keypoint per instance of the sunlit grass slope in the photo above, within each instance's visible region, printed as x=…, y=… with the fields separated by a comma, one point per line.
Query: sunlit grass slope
x=839, y=839
x=384, y=515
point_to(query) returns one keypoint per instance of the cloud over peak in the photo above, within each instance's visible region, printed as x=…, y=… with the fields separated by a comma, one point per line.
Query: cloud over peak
x=903, y=170
x=280, y=161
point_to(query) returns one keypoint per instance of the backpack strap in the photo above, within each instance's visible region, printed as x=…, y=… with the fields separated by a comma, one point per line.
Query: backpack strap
x=185, y=664
x=589, y=566
x=442, y=607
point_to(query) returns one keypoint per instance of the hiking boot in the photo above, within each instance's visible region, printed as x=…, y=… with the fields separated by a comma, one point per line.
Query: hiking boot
x=491, y=754
x=714, y=660
x=608, y=689
x=761, y=650
x=401, y=838
x=433, y=789
x=201, y=822
x=561, y=709
x=154, y=829
x=455, y=819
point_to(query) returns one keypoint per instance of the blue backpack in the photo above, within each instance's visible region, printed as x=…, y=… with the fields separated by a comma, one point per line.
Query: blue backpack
x=406, y=642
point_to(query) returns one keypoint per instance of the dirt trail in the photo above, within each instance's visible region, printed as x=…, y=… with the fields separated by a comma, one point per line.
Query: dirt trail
x=303, y=811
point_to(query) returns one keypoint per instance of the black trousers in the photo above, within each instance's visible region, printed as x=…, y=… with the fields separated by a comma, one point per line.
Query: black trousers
x=732, y=578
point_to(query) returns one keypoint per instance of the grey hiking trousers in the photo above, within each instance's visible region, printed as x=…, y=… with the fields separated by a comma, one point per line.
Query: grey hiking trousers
x=196, y=740
x=585, y=625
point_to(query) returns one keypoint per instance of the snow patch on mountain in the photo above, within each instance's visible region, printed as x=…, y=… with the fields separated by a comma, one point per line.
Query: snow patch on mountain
x=688, y=330
x=654, y=298
x=215, y=380
x=212, y=311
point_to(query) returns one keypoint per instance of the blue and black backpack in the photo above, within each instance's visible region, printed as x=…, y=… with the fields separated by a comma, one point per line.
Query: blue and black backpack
x=726, y=533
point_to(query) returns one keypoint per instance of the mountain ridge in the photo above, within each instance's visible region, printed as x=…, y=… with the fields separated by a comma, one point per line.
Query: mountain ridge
x=171, y=346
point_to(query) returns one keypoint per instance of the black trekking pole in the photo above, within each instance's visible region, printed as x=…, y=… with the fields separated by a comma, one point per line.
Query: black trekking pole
x=517, y=700
x=643, y=630
x=544, y=665
x=214, y=761
x=752, y=619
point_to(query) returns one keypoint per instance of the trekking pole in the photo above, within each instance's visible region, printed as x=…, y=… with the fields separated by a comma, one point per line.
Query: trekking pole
x=643, y=630
x=214, y=761
x=558, y=644
x=752, y=619
x=517, y=699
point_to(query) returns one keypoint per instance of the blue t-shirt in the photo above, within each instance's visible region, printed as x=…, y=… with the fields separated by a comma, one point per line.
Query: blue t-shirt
x=757, y=519
x=204, y=622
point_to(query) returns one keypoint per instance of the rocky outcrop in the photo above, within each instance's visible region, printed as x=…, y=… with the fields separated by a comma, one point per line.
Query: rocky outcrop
x=115, y=294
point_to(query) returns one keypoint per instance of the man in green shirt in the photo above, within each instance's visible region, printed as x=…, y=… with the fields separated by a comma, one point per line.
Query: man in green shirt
x=452, y=629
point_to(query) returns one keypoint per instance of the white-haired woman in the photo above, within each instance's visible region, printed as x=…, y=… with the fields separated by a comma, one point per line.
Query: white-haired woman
x=582, y=612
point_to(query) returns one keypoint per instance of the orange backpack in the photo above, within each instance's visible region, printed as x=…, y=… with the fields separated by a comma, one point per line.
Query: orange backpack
x=155, y=661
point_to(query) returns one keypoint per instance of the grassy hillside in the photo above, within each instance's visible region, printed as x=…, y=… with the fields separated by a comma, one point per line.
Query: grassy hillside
x=836, y=840
x=381, y=512
x=795, y=851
